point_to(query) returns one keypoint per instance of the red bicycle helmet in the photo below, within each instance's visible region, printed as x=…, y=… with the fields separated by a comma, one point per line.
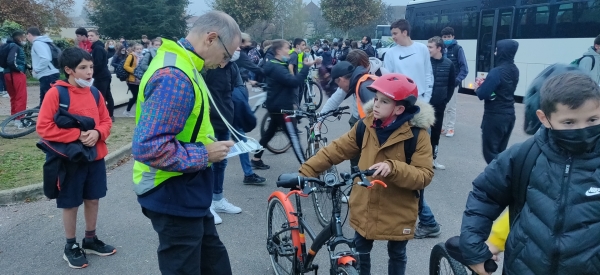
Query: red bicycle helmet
x=397, y=87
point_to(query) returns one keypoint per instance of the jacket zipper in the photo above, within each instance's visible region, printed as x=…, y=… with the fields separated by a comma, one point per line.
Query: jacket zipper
x=558, y=227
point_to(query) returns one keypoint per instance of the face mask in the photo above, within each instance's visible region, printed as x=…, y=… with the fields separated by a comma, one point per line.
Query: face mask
x=23, y=43
x=448, y=42
x=576, y=141
x=235, y=56
x=285, y=58
x=84, y=83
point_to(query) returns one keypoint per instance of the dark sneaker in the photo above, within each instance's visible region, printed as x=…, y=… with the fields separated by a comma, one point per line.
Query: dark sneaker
x=75, y=256
x=254, y=179
x=259, y=165
x=427, y=231
x=98, y=247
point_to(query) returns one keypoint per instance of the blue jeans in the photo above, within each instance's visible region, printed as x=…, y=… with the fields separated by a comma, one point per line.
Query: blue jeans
x=426, y=217
x=219, y=170
x=245, y=157
x=396, y=252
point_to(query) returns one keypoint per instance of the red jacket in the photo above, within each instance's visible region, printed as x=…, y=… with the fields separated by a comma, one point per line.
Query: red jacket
x=86, y=45
x=83, y=104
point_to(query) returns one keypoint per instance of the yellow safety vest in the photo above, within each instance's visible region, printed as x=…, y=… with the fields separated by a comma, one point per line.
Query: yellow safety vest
x=197, y=126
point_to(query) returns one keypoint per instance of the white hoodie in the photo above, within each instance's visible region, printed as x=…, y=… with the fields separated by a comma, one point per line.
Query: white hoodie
x=41, y=57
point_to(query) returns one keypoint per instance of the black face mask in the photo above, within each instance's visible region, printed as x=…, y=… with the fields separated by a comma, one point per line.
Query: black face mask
x=576, y=141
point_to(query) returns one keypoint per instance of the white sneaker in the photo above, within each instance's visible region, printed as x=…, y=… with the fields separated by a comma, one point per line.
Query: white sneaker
x=450, y=133
x=218, y=219
x=344, y=198
x=127, y=114
x=437, y=165
x=5, y=95
x=224, y=206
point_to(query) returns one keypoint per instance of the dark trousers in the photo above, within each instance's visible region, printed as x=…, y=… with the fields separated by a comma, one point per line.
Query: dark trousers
x=45, y=83
x=495, y=133
x=396, y=252
x=134, y=88
x=189, y=245
x=354, y=160
x=103, y=85
x=219, y=169
x=436, y=129
x=279, y=121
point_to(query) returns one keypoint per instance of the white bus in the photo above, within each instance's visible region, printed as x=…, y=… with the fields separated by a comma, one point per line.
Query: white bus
x=548, y=31
x=384, y=34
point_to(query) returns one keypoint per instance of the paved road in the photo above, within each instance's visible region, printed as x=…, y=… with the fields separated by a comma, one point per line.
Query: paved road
x=31, y=235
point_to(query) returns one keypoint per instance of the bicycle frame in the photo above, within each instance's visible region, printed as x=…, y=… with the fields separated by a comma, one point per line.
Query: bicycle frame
x=331, y=236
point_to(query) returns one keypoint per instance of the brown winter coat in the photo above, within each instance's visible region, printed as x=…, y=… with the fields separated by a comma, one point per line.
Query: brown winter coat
x=383, y=213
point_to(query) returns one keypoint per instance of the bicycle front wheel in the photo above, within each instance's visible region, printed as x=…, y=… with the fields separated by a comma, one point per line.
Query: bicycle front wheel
x=20, y=124
x=280, y=143
x=440, y=263
x=279, y=239
x=323, y=198
x=316, y=92
x=346, y=270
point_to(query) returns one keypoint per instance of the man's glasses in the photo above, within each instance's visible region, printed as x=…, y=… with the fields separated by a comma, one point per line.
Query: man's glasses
x=229, y=56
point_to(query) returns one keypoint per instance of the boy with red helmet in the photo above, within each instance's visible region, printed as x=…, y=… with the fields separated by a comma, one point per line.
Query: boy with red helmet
x=390, y=214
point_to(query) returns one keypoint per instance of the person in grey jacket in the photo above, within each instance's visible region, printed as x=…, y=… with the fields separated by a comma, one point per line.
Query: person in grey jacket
x=590, y=62
x=148, y=56
x=41, y=59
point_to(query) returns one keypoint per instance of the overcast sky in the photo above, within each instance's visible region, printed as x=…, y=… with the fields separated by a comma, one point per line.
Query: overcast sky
x=198, y=7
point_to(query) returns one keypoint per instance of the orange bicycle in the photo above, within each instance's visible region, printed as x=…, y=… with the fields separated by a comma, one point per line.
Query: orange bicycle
x=287, y=227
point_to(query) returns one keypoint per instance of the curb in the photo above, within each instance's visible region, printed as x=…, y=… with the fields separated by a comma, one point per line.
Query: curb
x=35, y=191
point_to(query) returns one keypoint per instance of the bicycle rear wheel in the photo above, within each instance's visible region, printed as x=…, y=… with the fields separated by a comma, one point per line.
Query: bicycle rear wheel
x=280, y=143
x=440, y=263
x=20, y=124
x=346, y=270
x=279, y=239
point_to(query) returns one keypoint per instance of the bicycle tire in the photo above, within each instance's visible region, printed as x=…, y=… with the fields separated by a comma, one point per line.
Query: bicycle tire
x=283, y=240
x=318, y=93
x=264, y=125
x=346, y=270
x=28, y=116
x=323, y=199
x=440, y=263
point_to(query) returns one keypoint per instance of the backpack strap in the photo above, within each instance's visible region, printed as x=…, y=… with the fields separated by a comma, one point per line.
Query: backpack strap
x=64, y=99
x=360, y=133
x=410, y=146
x=523, y=163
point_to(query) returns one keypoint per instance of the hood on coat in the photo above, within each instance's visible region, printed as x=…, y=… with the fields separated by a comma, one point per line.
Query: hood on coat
x=532, y=98
x=153, y=52
x=592, y=51
x=506, y=50
x=424, y=118
x=44, y=39
x=375, y=64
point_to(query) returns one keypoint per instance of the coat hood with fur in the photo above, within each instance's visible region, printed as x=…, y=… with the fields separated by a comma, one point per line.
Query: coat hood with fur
x=424, y=115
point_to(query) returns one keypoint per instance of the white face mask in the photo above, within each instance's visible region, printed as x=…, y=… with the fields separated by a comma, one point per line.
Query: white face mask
x=23, y=43
x=235, y=56
x=84, y=83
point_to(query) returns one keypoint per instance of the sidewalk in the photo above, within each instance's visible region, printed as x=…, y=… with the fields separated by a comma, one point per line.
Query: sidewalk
x=33, y=99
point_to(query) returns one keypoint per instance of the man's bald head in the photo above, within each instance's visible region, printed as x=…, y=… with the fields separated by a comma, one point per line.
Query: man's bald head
x=215, y=37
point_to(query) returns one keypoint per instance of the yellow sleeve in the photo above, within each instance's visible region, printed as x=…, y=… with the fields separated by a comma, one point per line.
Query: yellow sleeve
x=500, y=231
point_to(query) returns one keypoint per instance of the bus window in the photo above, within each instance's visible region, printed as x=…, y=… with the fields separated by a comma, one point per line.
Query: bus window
x=484, y=51
x=580, y=19
x=532, y=23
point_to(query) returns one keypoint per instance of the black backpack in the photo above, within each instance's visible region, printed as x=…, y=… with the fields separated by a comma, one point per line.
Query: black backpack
x=524, y=162
x=64, y=100
x=4, y=50
x=56, y=51
x=120, y=71
x=410, y=146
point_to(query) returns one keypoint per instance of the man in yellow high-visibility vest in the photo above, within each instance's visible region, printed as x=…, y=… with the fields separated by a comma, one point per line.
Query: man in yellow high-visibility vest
x=295, y=62
x=173, y=147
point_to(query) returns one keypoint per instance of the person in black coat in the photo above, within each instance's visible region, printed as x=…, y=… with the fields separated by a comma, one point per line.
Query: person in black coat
x=498, y=91
x=280, y=95
x=102, y=76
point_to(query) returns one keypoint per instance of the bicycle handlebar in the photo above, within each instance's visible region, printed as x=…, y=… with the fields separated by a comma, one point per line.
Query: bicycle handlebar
x=300, y=113
x=294, y=181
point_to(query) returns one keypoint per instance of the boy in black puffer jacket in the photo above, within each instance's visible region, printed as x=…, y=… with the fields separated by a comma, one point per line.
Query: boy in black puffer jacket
x=555, y=211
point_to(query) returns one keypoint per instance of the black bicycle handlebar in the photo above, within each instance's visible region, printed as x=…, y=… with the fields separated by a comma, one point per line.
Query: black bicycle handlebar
x=300, y=113
x=294, y=181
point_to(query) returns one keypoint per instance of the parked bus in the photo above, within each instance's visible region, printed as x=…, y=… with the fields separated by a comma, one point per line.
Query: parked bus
x=384, y=34
x=548, y=31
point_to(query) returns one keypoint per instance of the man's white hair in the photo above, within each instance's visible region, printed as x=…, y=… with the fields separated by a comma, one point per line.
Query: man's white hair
x=219, y=22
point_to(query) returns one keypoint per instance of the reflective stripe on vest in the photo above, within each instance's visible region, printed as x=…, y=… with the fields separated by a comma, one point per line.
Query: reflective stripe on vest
x=361, y=112
x=197, y=126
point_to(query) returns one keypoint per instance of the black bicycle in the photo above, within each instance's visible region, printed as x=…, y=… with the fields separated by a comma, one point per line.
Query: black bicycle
x=20, y=124
x=315, y=141
x=312, y=89
x=286, y=227
x=446, y=258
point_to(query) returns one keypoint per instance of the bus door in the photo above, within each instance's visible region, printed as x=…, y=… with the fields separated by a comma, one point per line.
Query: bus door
x=494, y=25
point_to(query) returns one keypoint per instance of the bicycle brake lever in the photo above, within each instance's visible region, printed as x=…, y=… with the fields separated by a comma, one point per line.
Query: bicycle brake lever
x=373, y=182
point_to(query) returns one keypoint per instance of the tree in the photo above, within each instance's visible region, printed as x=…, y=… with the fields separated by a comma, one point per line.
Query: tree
x=347, y=14
x=9, y=27
x=133, y=18
x=48, y=15
x=385, y=18
x=246, y=12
